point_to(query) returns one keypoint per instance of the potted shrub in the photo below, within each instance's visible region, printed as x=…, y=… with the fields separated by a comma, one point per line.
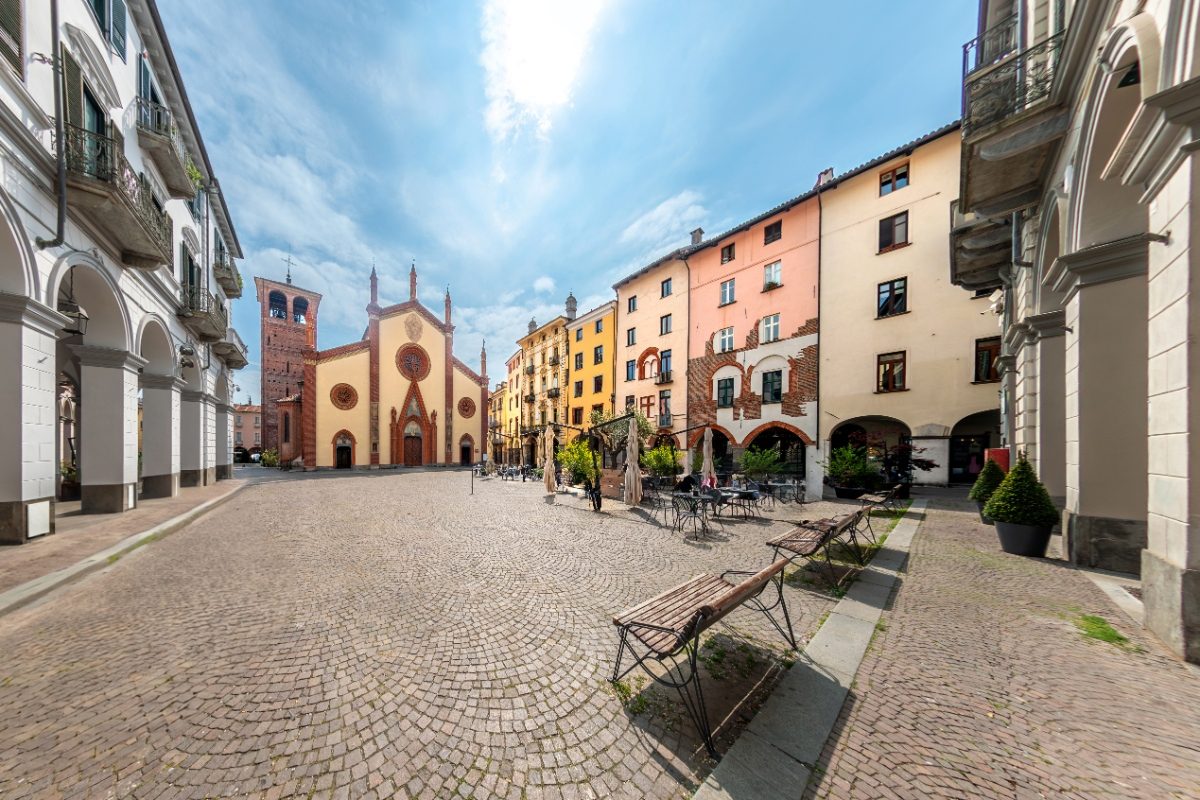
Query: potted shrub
x=1022, y=511
x=68, y=487
x=760, y=464
x=985, y=485
x=850, y=472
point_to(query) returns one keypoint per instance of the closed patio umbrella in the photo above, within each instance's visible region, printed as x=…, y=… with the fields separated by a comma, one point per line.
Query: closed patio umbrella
x=706, y=468
x=548, y=470
x=633, y=474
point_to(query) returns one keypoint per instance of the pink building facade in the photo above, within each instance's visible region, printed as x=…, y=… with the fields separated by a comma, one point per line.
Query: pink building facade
x=752, y=343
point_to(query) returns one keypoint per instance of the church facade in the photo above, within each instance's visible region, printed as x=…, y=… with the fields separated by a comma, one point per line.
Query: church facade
x=397, y=397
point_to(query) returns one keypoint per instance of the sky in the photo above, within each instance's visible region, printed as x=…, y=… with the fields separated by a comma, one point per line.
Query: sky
x=518, y=150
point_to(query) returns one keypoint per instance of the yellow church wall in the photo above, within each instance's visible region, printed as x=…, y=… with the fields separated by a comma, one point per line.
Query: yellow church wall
x=464, y=386
x=393, y=387
x=354, y=369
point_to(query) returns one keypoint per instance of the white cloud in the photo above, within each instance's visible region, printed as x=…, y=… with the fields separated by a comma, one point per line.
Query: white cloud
x=532, y=53
x=544, y=284
x=667, y=221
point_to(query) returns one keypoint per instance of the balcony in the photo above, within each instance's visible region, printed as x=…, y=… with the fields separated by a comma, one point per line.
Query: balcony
x=1010, y=87
x=159, y=136
x=553, y=393
x=979, y=247
x=529, y=370
x=106, y=189
x=554, y=362
x=231, y=350
x=226, y=274
x=663, y=377
x=664, y=420
x=202, y=314
x=530, y=398
x=992, y=46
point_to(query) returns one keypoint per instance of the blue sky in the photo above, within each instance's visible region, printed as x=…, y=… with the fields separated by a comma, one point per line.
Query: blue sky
x=521, y=150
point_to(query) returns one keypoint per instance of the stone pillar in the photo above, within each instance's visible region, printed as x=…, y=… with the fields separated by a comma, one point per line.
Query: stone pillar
x=1051, y=415
x=160, y=435
x=108, y=434
x=224, y=441
x=28, y=402
x=1104, y=290
x=191, y=438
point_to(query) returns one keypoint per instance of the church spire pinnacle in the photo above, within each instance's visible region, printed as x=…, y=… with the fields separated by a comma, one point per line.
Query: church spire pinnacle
x=412, y=281
x=374, y=284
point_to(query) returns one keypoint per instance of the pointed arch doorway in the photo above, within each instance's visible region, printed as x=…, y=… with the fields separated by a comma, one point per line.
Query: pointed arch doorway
x=412, y=431
x=413, y=444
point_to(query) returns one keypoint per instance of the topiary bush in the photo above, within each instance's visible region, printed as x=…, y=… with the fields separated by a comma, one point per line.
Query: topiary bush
x=662, y=460
x=576, y=459
x=986, y=481
x=1021, y=500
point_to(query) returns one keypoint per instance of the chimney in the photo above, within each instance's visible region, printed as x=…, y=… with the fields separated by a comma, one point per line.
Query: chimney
x=698, y=236
x=825, y=177
x=572, y=306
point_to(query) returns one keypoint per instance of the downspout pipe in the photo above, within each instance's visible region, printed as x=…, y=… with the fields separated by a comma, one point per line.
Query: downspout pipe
x=60, y=134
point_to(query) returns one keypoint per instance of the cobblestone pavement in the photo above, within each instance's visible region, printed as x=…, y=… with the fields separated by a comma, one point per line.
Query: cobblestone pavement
x=980, y=685
x=365, y=636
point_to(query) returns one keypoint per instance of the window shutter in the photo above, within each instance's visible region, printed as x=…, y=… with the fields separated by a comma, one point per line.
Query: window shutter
x=117, y=28
x=10, y=34
x=72, y=90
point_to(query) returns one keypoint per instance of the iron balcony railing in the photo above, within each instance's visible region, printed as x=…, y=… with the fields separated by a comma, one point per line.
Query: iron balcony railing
x=554, y=361
x=529, y=370
x=663, y=377
x=98, y=157
x=227, y=274
x=529, y=398
x=158, y=119
x=552, y=392
x=991, y=46
x=1010, y=87
x=202, y=309
x=664, y=420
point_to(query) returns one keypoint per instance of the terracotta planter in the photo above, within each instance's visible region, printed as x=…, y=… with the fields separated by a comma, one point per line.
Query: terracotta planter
x=1023, y=540
x=984, y=518
x=848, y=492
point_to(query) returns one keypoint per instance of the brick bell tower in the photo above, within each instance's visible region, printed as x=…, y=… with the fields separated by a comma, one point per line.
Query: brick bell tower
x=288, y=316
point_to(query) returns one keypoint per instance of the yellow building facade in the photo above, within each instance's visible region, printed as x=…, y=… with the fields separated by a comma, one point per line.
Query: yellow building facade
x=543, y=379
x=591, y=340
x=397, y=397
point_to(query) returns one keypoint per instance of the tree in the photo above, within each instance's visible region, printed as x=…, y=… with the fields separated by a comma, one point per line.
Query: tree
x=614, y=436
x=662, y=460
x=576, y=460
x=759, y=463
x=1021, y=499
x=986, y=481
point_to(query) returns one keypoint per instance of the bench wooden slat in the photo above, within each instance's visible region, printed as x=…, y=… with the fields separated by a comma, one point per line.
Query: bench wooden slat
x=739, y=593
x=674, y=610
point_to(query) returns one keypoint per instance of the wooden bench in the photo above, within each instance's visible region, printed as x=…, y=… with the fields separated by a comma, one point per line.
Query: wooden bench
x=886, y=500
x=669, y=625
x=810, y=537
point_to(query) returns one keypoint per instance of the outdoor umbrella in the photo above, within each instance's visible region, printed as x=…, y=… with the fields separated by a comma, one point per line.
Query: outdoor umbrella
x=633, y=474
x=706, y=468
x=548, y=470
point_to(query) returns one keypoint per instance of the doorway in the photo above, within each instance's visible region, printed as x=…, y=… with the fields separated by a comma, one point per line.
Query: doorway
x=412, y=445
x=343, y=457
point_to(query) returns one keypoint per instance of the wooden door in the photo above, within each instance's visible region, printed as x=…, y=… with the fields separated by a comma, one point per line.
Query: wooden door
x=343, y=456
x=412, y=451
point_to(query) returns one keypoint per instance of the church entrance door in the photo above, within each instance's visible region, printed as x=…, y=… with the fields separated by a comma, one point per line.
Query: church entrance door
x=343, y=456
x=412, y=451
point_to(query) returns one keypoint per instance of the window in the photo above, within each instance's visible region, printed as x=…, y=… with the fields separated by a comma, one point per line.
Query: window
x=727, y=253
x=579, y=388
x=772, y=276
x=647, y=406
x=299, y=308
x=893, y=231
x=725, y=340
x=630, y=401
x=773, y=232
x=237, y=437
x=631, y=337
x=725, y=393
x=239, y=420
x=277, y=305
x=110, y=16
x=987, y=353
x=576, y=416
x=579, y=361
x=598, y=408
x=772, y=391
x=893, y=297
x=257, y=420
x=598, y=383
x=287, y=428
x=664, y=408
x=890, y=368
x=666, y=288
x=894, y=179
x=770, y=329
x=257, y=437
x=727, y=292
x=598, y=354
x=630, y=370
x=10, y=34
x=579, y=334
x=664, y=324
x=599, y=326
x=664, y=361
x=649, y=368
x=631, y=304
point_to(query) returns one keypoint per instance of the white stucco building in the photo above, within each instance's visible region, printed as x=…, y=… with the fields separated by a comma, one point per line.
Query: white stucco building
x=1081, y=128
x=126, y=302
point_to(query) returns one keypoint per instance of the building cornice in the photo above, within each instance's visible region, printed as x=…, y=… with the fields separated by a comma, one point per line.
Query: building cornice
x=1100, y=263
x=599, y=312
x=1047, y=324
x=18, y=308
x=91, y=356
x=1016, y=336
x=417, y=306
x=163, y=382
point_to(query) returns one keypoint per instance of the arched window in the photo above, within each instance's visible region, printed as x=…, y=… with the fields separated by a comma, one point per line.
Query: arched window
x=649, y=368
x=277, y=304
x=287, y=427
x=299, y=310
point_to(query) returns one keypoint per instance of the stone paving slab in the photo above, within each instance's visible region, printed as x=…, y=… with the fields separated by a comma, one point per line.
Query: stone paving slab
x=979, y=685
x=371, y=636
